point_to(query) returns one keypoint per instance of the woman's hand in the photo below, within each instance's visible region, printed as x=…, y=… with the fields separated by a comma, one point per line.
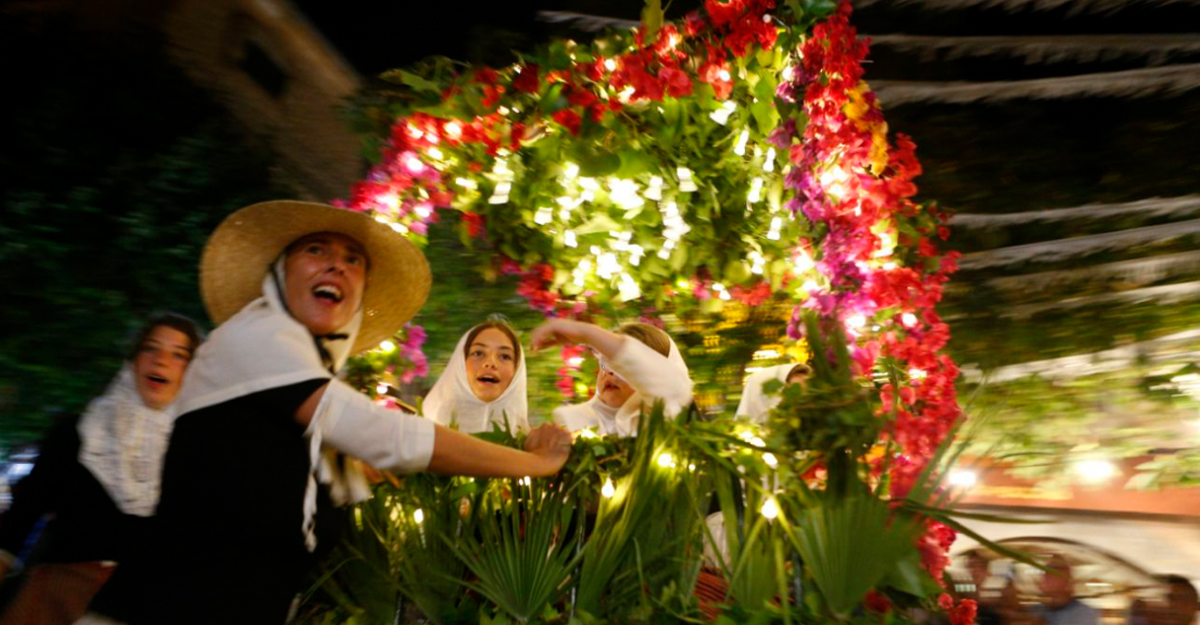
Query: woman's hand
x=551, y=443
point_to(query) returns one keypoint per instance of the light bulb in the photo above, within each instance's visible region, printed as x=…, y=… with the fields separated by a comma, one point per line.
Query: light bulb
x=770, y=509
x=608, y=490
x=419, y=516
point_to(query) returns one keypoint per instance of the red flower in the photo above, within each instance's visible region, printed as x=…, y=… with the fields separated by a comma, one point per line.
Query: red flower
x=678, y=83
x=723, y=13
x=518, y=133
x=486, y=76
x=527, y=79
x=717, y=75
x=693, y=24
x=965, y=613
x=877, y=602
x=476, y=224
x=569, y=119
x=581, y=97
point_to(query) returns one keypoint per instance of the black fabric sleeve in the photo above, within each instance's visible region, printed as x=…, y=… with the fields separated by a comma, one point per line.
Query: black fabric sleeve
x=37, y=493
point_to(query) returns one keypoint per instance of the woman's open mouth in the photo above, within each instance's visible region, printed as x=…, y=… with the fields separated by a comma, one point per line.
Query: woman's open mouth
x=487, y=379
x=328, y=292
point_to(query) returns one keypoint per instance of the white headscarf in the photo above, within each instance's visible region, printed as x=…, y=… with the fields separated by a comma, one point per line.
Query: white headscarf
x=263, y=347
x=122, y=442
x=652, y=376
x=452, y=400
x=755, y=404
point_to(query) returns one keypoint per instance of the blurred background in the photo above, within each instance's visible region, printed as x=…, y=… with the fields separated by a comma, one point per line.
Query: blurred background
x=1062, y=135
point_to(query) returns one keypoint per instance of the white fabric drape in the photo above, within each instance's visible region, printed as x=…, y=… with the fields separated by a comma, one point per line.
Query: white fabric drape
x=652, y=376
x=122, y=442
x=756, y=404
x=452, y=400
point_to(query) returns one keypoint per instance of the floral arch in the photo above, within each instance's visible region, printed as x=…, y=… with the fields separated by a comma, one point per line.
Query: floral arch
x=734, y=157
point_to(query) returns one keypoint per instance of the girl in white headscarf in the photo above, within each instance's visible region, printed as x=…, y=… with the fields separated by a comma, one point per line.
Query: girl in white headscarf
x=483, y=384
x=757, y=404
x=97, y=477
x=639, y=364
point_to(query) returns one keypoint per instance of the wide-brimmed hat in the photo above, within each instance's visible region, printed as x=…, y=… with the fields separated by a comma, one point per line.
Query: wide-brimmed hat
x=241, y=250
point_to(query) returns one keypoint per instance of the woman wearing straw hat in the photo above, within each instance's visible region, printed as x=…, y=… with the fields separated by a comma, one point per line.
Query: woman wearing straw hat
x=252, y=466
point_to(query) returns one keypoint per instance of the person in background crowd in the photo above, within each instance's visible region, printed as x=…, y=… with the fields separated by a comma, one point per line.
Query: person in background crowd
x=97, y=477
x=639, y=364
x=1060, y=607
x=756, y=405
x=1182, y=602
x=483, y=384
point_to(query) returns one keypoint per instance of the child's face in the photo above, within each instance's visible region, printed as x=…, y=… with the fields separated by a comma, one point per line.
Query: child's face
x=614, y=391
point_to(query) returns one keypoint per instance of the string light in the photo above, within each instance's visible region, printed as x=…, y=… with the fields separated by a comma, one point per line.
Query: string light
x=543, y=216
x=908, y=319
x=607, y=265
x=773, y=230
x=500, y=193
x=610, y=65
x=769, y=161
x=755, y=194
x=666, y=460
x=721, y=115
x=769, y=458
x=466, y=183
x=435, y=153
x=399, y=227
x=453, y=129
x=570, y=170
x=916, y=374
x=569, y=239
x=419, y=516
x=686, y=184
x=803, y=262
x=627, y=288
x=608, y=490
x=387, y=347
x=740, y=148
x=624, y=193
x=770, y=509
x=654, y=191
x=381, y=388
x=856, y=321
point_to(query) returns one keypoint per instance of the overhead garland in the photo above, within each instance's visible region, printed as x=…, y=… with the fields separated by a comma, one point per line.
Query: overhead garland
x=735, y=155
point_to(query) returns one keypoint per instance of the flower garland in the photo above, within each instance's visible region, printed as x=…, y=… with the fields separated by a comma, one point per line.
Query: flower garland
x=592, y=171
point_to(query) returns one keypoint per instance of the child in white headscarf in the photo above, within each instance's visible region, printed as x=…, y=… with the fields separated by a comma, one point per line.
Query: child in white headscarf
x=639, y=364
x=483, y=384
x=757, y=404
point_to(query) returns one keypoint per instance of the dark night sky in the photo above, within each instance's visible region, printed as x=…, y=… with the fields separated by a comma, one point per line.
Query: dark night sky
x=377, y=36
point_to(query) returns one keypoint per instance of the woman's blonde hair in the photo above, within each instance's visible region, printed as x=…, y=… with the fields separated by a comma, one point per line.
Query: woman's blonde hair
x=653, y=337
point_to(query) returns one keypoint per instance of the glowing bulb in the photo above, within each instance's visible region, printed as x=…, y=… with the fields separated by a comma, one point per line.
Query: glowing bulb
x=466, y=183
x=413, y=164
x=724, y=75
x=810, y=285
x=769, y=458
x=586, y=433
x=769, y=161
x=908, y=319
x=610, y=65
x=686, y=184
x=856, y=321
x=435, y=153
x=755, y=190
x=575, y=361
x=543, y=216
x=569, y=239
x=770, y=509
x=627, y=289
x=917, y=374
x=381, y=388
x=1095, y=470
x=721, y=115
x=740, y=148
x=608, y=490
x=570, y=170
x=387, y=347
x=666, y=460
x=419, y=516
x=399, y=227
x=803, y=262
x=654, y=191
x=453, y=129
x=962, y=478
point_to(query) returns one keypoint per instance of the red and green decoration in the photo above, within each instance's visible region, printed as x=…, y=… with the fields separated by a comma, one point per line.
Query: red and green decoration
x=735, y=156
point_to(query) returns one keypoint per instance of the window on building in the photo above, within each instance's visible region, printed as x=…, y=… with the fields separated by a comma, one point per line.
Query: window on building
x=263, y=69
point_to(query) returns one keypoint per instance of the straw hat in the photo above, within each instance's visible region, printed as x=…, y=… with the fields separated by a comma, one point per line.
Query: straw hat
x=241, y=250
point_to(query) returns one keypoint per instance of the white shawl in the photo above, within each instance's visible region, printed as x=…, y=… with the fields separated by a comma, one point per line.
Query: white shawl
x=452, y=400
x=756, y=404
x=263, y=347
x=122, y=442
x=652, y=376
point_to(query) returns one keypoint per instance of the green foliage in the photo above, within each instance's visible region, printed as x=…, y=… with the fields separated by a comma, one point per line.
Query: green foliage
x=106, y=204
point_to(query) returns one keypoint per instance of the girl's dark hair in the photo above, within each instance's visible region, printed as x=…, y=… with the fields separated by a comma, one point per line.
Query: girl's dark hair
x=175, y=321
x=501, y=326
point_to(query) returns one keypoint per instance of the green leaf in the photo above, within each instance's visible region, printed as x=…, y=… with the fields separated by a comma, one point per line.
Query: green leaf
x=652, y=19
